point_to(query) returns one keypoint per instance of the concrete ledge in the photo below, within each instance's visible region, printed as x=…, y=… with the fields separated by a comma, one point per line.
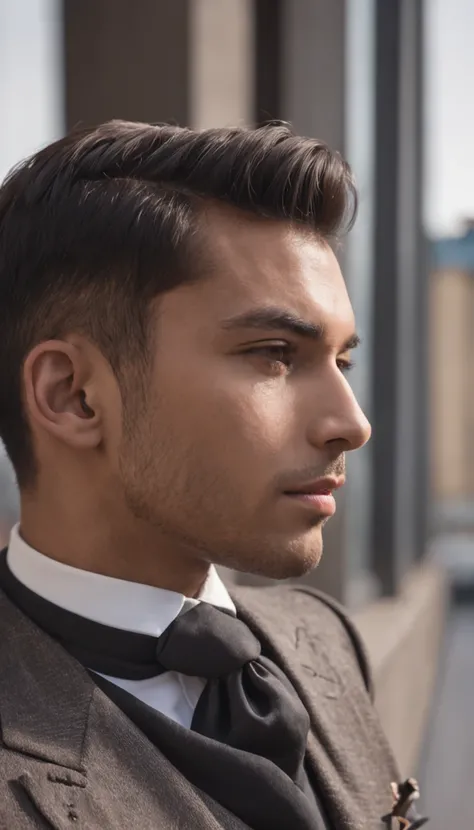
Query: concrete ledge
x=403, y=636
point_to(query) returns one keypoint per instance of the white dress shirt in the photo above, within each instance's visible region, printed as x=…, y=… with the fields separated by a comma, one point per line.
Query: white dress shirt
x=125, y=605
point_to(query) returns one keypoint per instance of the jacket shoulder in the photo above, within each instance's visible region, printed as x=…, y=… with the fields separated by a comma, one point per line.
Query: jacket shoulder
x=286, y=605
x=349, y=630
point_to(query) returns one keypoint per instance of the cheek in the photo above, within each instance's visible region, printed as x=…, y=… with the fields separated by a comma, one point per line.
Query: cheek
x=236, y=417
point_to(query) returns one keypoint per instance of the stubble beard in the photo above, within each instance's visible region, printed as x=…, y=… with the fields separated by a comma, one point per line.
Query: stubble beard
x=263, y=556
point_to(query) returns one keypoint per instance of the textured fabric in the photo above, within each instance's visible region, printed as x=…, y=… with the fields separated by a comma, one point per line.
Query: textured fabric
x=249, y=786
x=66, y=747
x=250, y=729
x=247, y=703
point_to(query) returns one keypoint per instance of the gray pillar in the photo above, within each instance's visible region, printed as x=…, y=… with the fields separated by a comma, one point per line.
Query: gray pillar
x=313, y=55
x=268, y=43
x=407, y=341
x=188, y=62
x=398, y=393
x=126, y=60
x=359, y=273
x=423, y=256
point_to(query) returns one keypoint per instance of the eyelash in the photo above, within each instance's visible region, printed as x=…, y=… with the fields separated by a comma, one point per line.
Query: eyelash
x=272, y=351
x=345, y=366
x=288, y=350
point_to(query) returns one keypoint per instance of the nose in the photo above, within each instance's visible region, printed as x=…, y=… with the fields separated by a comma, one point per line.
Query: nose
x=337, y=419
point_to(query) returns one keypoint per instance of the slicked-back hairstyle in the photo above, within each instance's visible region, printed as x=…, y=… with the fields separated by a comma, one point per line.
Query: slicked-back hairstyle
x=96, y=225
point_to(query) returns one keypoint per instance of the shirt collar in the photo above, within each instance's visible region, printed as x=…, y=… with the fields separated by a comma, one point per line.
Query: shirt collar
x=129, y=606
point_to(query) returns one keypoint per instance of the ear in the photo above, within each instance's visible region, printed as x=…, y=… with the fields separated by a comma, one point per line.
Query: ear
x=59, y=388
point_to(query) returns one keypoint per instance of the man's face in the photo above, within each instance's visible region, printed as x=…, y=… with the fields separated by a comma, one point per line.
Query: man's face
x=247, y=404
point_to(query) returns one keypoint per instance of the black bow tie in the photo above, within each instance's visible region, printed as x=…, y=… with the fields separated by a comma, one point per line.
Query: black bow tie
x=247, y=703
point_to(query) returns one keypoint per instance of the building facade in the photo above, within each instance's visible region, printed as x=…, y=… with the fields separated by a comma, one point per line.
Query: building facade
x=452, y=390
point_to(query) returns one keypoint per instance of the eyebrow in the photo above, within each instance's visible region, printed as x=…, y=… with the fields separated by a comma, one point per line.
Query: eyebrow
x=278, y=319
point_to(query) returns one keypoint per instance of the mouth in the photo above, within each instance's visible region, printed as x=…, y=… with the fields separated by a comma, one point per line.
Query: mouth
x=318, y=494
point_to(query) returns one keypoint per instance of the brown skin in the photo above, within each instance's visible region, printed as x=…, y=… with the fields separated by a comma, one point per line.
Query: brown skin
x=152, y=488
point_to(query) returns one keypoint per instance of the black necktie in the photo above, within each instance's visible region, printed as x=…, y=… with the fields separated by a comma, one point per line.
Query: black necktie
x=248, y=705
x=247, y=702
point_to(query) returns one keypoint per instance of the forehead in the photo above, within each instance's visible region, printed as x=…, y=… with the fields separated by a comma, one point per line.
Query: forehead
x=251, y=262
x=248, y=264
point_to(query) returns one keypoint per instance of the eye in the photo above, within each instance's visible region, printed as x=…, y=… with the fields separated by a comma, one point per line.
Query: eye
x=345, y=365
x=278, y=355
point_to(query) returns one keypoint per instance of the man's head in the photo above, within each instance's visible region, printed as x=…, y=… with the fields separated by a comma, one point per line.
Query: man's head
x=175, y=333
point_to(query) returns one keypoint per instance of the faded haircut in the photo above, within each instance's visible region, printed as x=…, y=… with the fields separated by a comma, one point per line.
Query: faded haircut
x=96, y=225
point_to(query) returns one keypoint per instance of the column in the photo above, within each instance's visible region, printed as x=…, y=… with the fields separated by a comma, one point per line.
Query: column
x=398, y=300
x=221, y=63
x=359, y=271
x=313, y=68
x=126, y=60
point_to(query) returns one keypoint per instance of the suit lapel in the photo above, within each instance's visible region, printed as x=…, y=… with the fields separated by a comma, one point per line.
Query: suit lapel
x=71, y=735
x=45, y=696
x=81, y=762
x=128, y=787
x=343, y=747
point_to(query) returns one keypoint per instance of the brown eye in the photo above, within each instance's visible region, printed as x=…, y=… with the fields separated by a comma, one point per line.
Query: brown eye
x=278, y=355
x=345, y=365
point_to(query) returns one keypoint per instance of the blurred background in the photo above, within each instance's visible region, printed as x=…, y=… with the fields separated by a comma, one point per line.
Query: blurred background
x=387, y=82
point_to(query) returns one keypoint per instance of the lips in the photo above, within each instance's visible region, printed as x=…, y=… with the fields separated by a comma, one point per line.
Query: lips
x=317, y=495
x=319, y=487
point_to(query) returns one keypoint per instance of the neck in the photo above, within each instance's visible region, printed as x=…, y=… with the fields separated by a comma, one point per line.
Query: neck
x=125, y=547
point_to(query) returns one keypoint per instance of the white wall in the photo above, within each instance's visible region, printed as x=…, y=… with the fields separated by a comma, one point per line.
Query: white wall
x=31, y=97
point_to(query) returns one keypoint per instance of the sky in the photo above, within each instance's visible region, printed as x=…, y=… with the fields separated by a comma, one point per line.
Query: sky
x=449, y=114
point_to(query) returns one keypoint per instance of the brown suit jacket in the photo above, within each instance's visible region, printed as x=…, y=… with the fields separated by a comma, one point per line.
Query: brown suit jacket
x=71, y=760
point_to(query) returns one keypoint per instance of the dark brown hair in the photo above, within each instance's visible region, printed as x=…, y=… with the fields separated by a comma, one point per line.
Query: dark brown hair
x=97, y=224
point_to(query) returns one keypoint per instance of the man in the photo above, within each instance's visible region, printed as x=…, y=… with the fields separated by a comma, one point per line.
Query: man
x=176, y=335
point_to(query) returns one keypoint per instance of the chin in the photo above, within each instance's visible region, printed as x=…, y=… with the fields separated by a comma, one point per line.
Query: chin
x=294, y=567
x=284, y=562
